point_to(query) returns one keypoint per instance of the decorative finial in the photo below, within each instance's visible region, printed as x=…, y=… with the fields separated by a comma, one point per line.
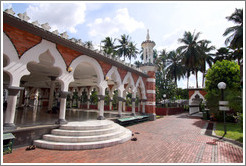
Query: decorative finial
x=56, y=32
x=35, y=23
x=23, y=16
x=147, y=37
x=46, y=26
x=64, y=35
x=10, y=11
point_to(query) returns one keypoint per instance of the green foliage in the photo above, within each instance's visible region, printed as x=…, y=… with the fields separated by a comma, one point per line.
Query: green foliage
x=224, y=71
x=182, y=93
x=94, y=98
x=239, y=118
x=235, y=99
x=227, y=72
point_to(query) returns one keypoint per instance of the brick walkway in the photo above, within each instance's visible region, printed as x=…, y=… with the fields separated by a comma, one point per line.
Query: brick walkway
x=172, y=139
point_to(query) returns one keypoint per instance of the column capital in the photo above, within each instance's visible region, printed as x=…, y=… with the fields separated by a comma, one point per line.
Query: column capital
x=101, y=97
x=64, y=94
x=120, y=98
x=13, y=90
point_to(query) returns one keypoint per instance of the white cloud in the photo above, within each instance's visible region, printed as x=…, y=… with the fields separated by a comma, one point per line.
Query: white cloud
x=107, y=26
x=61, y=16
x=7, y=6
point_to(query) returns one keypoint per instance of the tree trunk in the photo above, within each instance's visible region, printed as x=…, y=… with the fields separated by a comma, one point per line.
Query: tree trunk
x=196, y=80
x=188, y=81
x=203, y=80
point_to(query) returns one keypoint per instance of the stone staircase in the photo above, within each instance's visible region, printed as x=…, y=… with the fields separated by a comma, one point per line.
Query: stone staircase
x=91, y=134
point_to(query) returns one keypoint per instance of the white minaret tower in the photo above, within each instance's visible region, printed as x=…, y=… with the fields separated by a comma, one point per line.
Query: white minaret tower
x=149, y=68
x=148, y=46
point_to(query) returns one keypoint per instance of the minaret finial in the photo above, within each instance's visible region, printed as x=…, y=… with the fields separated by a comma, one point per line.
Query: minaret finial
x=147, y=37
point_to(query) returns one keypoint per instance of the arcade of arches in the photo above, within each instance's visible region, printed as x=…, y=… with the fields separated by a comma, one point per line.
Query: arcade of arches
x=43, y=69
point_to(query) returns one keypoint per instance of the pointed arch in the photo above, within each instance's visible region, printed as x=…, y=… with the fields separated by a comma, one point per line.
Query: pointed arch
x=114, y=72
x=140, y=84
x=92, y=62
x=9, y=49
x=128, y=79
x=34, y=53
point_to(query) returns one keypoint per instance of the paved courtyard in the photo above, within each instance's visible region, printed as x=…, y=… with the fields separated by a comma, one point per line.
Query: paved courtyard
x=172, y=139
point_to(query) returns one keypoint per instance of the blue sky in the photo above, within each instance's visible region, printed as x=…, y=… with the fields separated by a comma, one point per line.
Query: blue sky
x=166, y=21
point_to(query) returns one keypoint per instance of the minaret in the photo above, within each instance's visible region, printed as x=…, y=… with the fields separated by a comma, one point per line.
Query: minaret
x=148, y=46
x=150, y=70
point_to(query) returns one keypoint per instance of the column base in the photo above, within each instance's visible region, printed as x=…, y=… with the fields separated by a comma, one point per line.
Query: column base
x=9, y=126
x=100, y=118
x=152, y=117
x=61, y=121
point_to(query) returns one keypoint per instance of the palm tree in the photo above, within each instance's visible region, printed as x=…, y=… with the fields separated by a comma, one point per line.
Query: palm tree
x=108, y=46
x=88, y=44
x=206, y=57
x=175, y=70
x=133, y=51
x=161, y=60
x=221, y=54
x=138, y=64
x=191, y=53
x=235, y=40
x=122, y=49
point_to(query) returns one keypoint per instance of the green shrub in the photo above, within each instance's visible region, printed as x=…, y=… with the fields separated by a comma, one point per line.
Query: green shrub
x=228, y=72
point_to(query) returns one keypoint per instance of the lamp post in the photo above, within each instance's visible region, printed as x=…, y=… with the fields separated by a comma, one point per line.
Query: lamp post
x=164, y=96
x=222, y=86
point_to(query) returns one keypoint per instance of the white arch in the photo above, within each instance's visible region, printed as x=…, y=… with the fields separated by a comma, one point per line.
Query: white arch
x=92, y=88
x=92, y=62
x=114, y=71
x=9, y=49
x=34, y=53
x=197, y=92
x=141, y=85
x=128, y=78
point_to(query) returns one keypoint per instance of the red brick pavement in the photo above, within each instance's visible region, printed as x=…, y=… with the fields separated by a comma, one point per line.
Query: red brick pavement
x=172, y=139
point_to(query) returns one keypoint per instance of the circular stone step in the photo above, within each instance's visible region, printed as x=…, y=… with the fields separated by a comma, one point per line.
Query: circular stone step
x=88, y=125
x=99, y=134
x=84, y=132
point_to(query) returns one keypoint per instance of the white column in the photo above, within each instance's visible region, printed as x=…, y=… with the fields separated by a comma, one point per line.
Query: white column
x=51, y=96
x=62, y=113
x=79, y=102
x=124, y=106
x=143, y=107
x=101, y=107
x=71, y=100
x=139, y=106
x=26, y=101
x=110, y=104
x=88, y=102
x=120, y=99
x=133, y=106
x=10, y=110
x=21, y=98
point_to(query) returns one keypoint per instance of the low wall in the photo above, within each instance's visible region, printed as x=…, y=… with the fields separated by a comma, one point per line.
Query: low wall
x=169, y=111
x=26, y=136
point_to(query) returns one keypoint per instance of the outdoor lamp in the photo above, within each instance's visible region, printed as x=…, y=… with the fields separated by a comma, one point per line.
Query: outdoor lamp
x=222, y=86
x=69, y=69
